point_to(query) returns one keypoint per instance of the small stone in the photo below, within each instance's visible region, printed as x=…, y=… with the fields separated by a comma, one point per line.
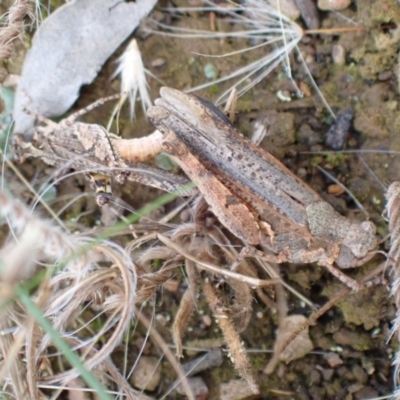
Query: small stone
x=384, y=76
x=327, y=373
x=360, y=188
x=333, y=5
x=162, y=319
x=366, y=393
x=147, y=374
x=301, y=345
x=336, y=136
x=306, y=135
x=143, y=345
x=338, y=54
x=305, y=89
x=234, y=390
x=198, y=386
x=314, y=378
x=301, y=173
x=210, y=71
x=158, y=63
x=283, y=96
x=207, y=320
x=309, y=13
x=333, y=360
x=290, y=9
x=335, y=189
x=360, y=374
x=356, y=340
x=279, y=126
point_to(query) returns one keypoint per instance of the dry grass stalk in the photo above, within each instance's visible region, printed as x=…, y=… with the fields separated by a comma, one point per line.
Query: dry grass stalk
x=393, y=213
x=54, y=244
x=15, y=382
x=109, y=291
x=186, y=307
x=236, y=347
x=14, y=27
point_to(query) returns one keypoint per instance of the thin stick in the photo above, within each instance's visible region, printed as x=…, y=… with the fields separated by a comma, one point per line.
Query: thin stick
x=333, y=31
x=331, y=177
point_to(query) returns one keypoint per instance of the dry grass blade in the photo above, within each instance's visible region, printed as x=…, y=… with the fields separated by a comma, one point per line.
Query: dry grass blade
x=233, y=340
x=55, y=245
x=99, y=283
x=186, y=307
x=253, y=282
x=255, y=19
x=15, y=367
x=393, y=213
x=109, y=291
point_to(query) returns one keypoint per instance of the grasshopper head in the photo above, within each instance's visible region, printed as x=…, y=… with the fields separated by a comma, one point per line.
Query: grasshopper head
x=358, y=242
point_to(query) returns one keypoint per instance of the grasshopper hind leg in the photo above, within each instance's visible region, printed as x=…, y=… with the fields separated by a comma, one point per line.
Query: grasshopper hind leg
x=102, y=186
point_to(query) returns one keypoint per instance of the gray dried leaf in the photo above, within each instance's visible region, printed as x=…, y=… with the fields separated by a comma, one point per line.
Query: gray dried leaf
x=68, y=51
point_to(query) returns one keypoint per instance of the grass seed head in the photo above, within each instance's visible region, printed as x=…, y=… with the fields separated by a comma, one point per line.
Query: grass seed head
x=133, y=78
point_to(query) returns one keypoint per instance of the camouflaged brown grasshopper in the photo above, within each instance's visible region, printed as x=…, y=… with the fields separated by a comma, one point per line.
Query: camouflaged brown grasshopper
x=253, y=194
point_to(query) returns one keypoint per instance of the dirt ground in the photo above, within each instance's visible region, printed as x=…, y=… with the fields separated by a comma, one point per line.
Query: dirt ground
x=352, y=352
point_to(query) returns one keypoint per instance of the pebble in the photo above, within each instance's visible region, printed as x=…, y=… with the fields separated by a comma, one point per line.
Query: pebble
x=384, y=76
x=333, y=5
x=198, y=386
x=333, y=360
x=279, y=127
x=147, y=373
x=335, y=189
x=338, y=54
x=158, y=62
x=336, y=136
x=290, y=9
x=327, y=373
x=309, y=13
x=211, y=359
x=162, y=319
x=306, y=135
x=210, y=71
x=143, y=345
x=207, y=320
x=234, y=390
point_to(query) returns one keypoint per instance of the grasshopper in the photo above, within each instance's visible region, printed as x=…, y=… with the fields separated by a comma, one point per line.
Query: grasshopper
x=253, y=194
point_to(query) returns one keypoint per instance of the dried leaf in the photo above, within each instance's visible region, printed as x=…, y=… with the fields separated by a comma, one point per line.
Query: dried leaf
x=68, y=51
